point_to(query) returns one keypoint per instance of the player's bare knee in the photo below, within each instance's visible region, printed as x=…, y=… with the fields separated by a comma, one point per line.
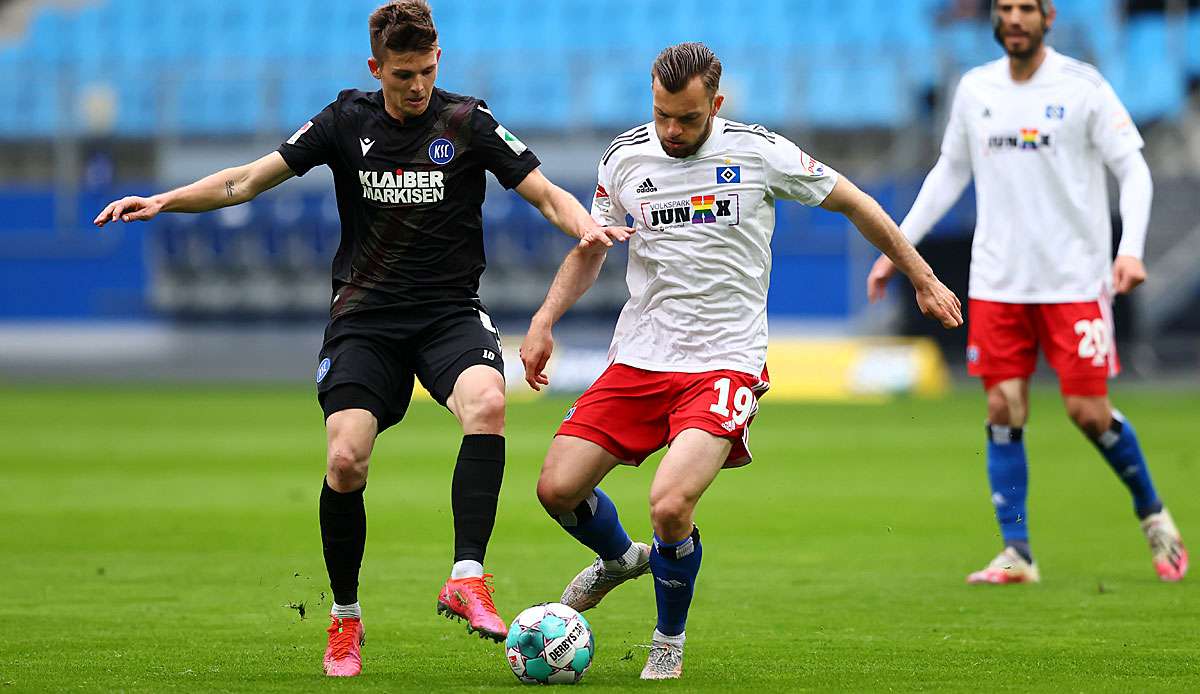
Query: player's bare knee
x=1005, y=408
x=557, y=498
x=671, y=515
x=483, y=412
x=1093, y=419
x=347, y=466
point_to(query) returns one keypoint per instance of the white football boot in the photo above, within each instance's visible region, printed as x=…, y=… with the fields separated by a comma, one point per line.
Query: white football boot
x=589, y=587
x=1007, y=567
x=665, y=661
x=1170, y=556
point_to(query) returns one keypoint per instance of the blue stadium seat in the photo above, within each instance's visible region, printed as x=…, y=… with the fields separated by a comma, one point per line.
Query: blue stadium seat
x=617, y=99
x=762, y=86
x=1192, y=41
x=539, y=99
x=1147, y=51
x=846, y=95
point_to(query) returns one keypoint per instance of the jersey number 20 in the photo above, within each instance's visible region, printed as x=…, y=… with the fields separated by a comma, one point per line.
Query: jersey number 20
x=1093, y=340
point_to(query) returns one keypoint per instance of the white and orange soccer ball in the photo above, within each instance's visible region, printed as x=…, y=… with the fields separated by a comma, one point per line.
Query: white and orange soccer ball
x=550, y=644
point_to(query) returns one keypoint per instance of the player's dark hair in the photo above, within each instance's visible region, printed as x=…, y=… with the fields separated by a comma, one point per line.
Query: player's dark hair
x=677, y=65
x=402, y=26
x=1045, y=6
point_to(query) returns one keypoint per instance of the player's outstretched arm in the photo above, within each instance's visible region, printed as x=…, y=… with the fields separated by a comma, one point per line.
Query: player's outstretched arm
x=222, y=189
x=561, y=209
x=942, y=187
x=575, y=276
x=935, y=300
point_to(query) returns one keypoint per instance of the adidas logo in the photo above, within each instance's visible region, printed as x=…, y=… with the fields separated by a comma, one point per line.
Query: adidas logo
x=728, y=426
x=647, y=186
x=670, y=583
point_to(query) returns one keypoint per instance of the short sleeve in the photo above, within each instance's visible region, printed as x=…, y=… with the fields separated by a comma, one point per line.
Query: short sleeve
x=314, y=144
x=606, y=204
x=956, y=143
x=509, y=160
x=1110, y=128
x=793, y=175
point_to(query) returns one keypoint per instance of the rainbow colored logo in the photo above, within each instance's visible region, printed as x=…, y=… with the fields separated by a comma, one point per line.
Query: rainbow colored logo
x=702, y=209
x=1029, y=138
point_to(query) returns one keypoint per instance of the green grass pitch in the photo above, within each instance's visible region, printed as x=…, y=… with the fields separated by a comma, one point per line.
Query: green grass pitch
x=153, y=540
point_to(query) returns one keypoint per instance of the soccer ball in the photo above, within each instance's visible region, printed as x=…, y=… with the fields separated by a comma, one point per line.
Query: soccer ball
x=550, y=644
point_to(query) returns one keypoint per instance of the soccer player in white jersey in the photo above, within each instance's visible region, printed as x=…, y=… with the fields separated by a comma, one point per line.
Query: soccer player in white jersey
x=1036, y=130
x=688, y=358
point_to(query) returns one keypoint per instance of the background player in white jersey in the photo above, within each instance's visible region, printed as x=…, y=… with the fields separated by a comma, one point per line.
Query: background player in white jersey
x=1036, y=129
x=689, y=351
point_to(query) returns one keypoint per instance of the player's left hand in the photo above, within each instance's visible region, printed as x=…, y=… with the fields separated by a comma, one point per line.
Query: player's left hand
x=939, y=303
x=1128, y=273
x=877, y=280
x=536, y=349
x=603, y=237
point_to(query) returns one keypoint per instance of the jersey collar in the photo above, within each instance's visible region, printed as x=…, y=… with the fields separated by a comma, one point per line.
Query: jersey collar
x=1049, y=65
x=421, y=121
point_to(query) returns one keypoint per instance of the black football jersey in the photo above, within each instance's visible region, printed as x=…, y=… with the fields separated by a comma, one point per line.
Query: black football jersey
x=409, y=194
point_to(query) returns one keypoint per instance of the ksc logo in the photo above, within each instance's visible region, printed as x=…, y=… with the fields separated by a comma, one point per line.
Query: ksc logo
x=441, y=151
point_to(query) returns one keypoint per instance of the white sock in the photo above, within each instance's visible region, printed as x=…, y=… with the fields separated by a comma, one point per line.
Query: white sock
x=625, y=562
x=346, y=611
x=675, y=640
x=467, y=568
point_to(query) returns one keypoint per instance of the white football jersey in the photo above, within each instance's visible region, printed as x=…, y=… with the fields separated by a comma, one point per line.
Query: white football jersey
x=700, y=260
x=1037, y=150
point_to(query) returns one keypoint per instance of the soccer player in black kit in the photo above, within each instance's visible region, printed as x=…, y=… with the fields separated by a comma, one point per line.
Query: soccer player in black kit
x=408, y=164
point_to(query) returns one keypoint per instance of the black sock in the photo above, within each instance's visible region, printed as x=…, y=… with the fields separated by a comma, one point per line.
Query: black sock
x=474, y=493
x=343, y=537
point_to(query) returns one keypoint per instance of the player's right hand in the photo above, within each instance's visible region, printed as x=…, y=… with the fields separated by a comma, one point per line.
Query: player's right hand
x=536, y=349
x=128, y=209
x=600, y=238
x=877, y=280
x=939, y=303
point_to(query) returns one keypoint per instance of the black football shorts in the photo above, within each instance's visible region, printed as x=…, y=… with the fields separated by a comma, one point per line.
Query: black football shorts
x=370, y=358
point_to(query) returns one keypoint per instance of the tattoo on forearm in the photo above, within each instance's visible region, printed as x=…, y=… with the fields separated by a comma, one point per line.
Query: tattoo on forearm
x=229, y=189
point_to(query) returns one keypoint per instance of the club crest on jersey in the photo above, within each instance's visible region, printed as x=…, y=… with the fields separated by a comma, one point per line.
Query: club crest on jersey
x=441, y=151
x=1030, y=139
x=729, y=174
x=323, y=369
x=724, y=208
x=401, y=187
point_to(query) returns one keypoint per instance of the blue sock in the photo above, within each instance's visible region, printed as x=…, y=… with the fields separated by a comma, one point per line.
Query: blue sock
x=1009, y=477
x=1119, y=446
x=675, y=566
x=594, y=523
